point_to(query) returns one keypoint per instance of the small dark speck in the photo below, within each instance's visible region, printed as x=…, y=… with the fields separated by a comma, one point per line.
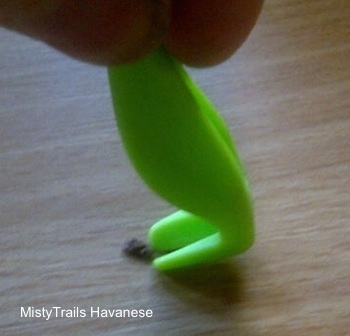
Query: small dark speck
x=137, y=249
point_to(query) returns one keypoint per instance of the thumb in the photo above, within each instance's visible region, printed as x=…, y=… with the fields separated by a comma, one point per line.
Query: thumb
x=103, y=32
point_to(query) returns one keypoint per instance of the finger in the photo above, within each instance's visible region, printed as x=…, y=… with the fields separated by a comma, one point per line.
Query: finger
x=104, y=32
x=206, y=32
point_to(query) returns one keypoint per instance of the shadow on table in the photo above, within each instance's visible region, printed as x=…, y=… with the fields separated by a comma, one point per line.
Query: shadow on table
x=221, y=283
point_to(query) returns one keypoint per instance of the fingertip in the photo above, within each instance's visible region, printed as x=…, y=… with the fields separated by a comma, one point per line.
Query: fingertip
x=205, y=33
x=108, y=32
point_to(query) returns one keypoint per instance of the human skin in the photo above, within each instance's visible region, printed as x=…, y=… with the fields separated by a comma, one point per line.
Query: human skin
x=197, y=32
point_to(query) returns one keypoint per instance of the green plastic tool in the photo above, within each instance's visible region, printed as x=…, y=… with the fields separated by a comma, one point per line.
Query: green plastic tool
x=182, y=149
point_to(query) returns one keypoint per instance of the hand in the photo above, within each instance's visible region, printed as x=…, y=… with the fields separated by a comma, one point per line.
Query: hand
x=197, y=32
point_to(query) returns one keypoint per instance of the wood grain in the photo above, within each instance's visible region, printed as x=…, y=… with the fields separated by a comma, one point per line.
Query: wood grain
x=69, y=197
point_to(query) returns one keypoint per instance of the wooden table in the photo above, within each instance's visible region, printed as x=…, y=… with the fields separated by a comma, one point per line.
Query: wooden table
x=69, y=197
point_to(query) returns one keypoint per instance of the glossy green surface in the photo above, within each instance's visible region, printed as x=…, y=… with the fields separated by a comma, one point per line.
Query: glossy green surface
x=183, y=151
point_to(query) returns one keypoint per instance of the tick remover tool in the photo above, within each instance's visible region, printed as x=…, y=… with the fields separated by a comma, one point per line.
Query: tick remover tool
x=182, y=149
